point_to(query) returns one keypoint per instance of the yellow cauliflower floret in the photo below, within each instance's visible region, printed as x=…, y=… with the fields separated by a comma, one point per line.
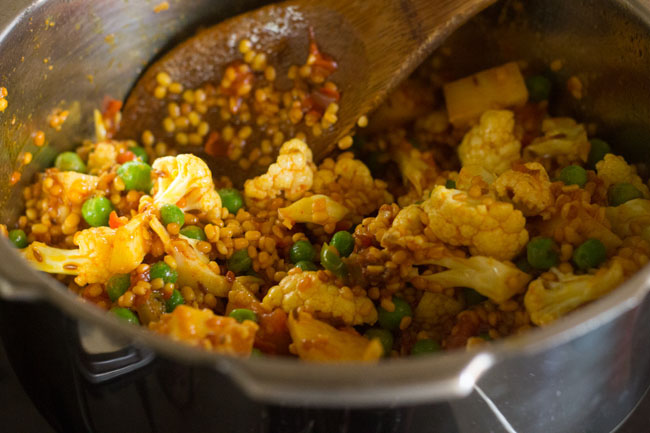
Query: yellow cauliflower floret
x=192, y=265
x=492, y=143
x=613, y=169
x=186, y=181
x=316, y=209
x=307, y=291
x=632, y=218
x=348, y=181
x=471, y=175
x=314, y=340
x=527, y=187
x=415, y=170
x=76, y=187
x=497, y=280
x=205, y=329
x=488, y=227
x=102, y=252
x=547, y=300
x=292, y=174
x=563, y=137
x=434, y=308
x=406, y=228
x=102, y=157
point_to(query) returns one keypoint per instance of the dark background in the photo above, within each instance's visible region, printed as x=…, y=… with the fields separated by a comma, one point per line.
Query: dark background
x=18, y=415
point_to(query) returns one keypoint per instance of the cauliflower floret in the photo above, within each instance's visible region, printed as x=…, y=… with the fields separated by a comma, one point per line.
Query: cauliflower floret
x=317, y=209
x=291, y=174
x=314, y=340
x=102, y=157
x=527, y=186
x=486, y=226
x=192, y=265
x=348, y=181
x=307, y=291
x=563, y=137
x=186, y=181
x=205, y=329
x=497, y=280
x=434, y=308
x=75, y=187
x=102, y=252
x=471, y=175
x=631, y=218
x=547, y=300
x=613, y=169
x=420, y=173
x=406, y=229
x=492, y=143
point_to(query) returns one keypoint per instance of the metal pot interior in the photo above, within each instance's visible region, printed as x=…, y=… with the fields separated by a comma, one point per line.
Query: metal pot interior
x=71, y=54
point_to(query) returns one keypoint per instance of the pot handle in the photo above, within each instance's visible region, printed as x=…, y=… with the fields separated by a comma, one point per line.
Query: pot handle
x=18, y=280
x=400, y=382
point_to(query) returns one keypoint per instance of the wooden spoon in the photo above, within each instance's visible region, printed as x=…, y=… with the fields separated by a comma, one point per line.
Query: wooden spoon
x=376, y=44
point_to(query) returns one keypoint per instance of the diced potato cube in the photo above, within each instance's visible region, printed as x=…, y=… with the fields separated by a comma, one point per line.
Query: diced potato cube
x=492, y=89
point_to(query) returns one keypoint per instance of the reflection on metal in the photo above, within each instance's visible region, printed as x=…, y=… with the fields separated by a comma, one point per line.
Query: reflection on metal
x=495, y=410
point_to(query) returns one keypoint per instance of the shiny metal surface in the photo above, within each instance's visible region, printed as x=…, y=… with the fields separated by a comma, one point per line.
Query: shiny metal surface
x=583, y=373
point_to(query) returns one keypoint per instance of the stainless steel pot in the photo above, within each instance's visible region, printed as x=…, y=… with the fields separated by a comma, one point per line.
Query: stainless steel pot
x=88, y=372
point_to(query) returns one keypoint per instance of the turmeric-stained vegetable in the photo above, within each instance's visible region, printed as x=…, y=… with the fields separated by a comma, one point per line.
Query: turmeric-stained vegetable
x=495, y=88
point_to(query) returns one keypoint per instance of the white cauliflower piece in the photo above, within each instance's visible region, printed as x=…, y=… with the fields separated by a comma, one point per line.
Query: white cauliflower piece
x=527, y=186
x=497, y=280
x=306, y=291
x=434, y=308
x=316, y=209
x=547, y=300
x=488, y=227
x=191, y=265
x=562, y=137
x=314, y=340
x=414, y=169
x=613, y=169
x=492, y=143
x=102, y=252
x=292, y=174
x=102, y=157
x=632, y=218
x=186, y=181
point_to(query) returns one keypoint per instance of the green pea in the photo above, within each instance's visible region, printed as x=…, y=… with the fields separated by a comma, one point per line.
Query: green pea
x=306, y=265
x=485, y=336
x=126, y=315
x=450, y=184
x=343, y=242
x=597, y=152
x=542, y=253
x=301, y=251
x=18, y=238
x=240, y=262
x=136, y=175
x=70, y=161
x=117, y=285
x=622, y=192
x=194, y=232
x=140, y=153
x=241, y=314
x=331, y=261
x=472, y=297
x=164, y=271
x=539, y=88
x=574, y=175
x=256, y=353
x=590, y=254
x=174, y=301
x=385, y=338
x=423, y=347
x=231, y=199
x=170, y=213
x=391, y=319
x=96, y=211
